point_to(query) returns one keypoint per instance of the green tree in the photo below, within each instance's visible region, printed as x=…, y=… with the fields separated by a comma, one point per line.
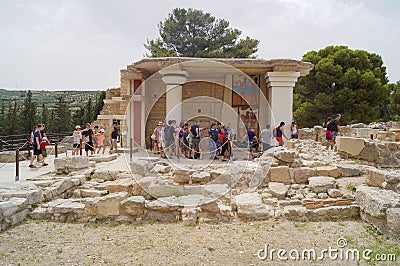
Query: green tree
x=78, y=117
x=89, y=111
x=45, y=115
x=350, y=82
x=2, y=116
x=193, y=33
x=62, y=115
x=28, y=114
x=393, y=103
x=99, y=104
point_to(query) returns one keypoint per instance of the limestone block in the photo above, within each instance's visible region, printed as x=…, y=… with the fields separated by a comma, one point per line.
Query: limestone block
x=320, y=184
x=348, y=170
x=105, y=175
x=302, y=174
x=334, y=193
x=200, y=177
x=70, y=207
x=120, y=185
x=215, y=190
x=294, y=212
x=349, y=145
x=285, y=155
x=165, y=190
x=91, y=193
x=140, y=167
x=63, y=186
x=109, y=205
x=375, y=201
x=280, y=174
x=375, y=177
x=181, y=176
x=165, y=204
x=393, y=222
x=133, y=206
x=8, y=208
x=19, y=217
x=332, y=171
x=39, y=213
x=279, y=190
x=161, y=168
x=250, y=205
x=392, y=180
x=214, y=174
x=189, y=216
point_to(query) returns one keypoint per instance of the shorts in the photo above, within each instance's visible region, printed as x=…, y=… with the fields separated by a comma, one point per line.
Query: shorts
x=76, y=145
x=89, y=146
x=161, y=144
x=279, y=139
x=266, y=146
x=334, y=135
x=328, y=135
x=169, y=143
x=114, y=143
x=196, y=144
x=36, y=151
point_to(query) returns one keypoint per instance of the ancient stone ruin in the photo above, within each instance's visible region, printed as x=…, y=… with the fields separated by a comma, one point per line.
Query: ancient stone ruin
x=303, y=183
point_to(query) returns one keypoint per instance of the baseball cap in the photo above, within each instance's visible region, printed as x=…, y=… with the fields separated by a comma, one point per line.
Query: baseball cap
x=77, y=127
x=88, y=124
x=198, y=120
x=102, y=130
x=338, y=115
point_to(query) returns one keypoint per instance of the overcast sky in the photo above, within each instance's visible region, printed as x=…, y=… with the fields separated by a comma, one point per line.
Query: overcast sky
x=82, y=44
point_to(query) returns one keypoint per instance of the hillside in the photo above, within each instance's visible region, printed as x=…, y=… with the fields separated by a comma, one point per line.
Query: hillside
x=74, y=98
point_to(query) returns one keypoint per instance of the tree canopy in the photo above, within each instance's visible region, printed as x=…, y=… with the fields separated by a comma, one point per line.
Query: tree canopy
x=350, y=82
x=193, y=33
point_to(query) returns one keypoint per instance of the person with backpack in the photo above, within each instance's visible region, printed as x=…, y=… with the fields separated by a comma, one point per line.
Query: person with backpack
x=195, y=132
x=169, y=136
x=280, y=133
x=213, y=134
x=328, y=135
x=114, y=133
x=335, y=128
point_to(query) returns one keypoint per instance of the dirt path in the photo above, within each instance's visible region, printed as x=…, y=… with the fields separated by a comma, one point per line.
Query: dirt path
x=50, y=243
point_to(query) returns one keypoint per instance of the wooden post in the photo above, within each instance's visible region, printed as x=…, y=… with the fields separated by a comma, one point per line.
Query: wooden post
x=55, y=150
x=120, y=140
x=372, y=136
x=17, y=165
x=80, y=147
x=130, y=148
x=316, y=137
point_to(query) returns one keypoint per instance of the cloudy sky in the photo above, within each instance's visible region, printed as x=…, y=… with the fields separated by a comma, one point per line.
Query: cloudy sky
x=82, y=44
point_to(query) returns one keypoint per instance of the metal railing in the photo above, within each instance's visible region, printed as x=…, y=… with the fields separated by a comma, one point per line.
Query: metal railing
x=13, y=142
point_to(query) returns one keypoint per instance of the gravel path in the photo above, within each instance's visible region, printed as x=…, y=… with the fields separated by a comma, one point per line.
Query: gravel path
x=237, y=243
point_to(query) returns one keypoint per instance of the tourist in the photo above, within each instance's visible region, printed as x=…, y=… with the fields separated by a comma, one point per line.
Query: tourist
x=213, y=134
x=330, y=128
x=195, y=131
x=161, y=139
x=100, y=141
x=43, y=145
x=186, y=141
x=169, y=136
x=224, y=140
x=232, y=132
x=294, y=130
x=154, y=137
x=280, y=133
x=114, y=134
x=95, y=133
x=266, y=136
x=178, y=139
x=37, y=150
x=336, y=127
x=43, y=134
x=77, y=140
x=87, y=136
x=252, y=141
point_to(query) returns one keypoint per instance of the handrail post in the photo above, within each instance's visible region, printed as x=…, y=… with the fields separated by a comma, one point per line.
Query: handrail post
x=55, y=150
x=80, y=147
x=130, y=148
x=17, y=165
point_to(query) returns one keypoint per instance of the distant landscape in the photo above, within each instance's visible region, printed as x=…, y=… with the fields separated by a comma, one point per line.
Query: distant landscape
x=73, y=98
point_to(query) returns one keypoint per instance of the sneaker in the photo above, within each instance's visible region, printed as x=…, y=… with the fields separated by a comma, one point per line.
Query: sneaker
x=32, y=166
x=45, y=164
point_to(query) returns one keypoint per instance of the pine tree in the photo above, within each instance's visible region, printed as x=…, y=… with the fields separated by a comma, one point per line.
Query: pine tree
x=45, y=115
x=2, y=116
x=89, y=111
x=28, y=114
x=62, y=115
x=99, y=104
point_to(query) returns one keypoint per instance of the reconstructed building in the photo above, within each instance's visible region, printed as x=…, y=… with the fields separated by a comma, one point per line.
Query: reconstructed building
x=243, y=93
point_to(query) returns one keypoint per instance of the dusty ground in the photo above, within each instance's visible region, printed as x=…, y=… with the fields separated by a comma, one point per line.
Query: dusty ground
x=51, y=243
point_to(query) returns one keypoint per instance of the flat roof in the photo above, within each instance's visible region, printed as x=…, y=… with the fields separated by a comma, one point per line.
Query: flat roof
x=154, y=64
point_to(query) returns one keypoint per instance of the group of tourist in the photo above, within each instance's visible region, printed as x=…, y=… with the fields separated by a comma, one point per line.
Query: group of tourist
x=39, y=141
x=171, y=139
x=94, y=139
x=332, y=130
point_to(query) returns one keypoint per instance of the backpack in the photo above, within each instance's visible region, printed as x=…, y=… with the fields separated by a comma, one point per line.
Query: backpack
x=214, y=134
x=331, y=126
x=169, y=132
x=274, y=132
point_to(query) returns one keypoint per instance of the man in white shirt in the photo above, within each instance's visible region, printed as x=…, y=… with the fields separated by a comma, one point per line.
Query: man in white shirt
x=266, y=136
